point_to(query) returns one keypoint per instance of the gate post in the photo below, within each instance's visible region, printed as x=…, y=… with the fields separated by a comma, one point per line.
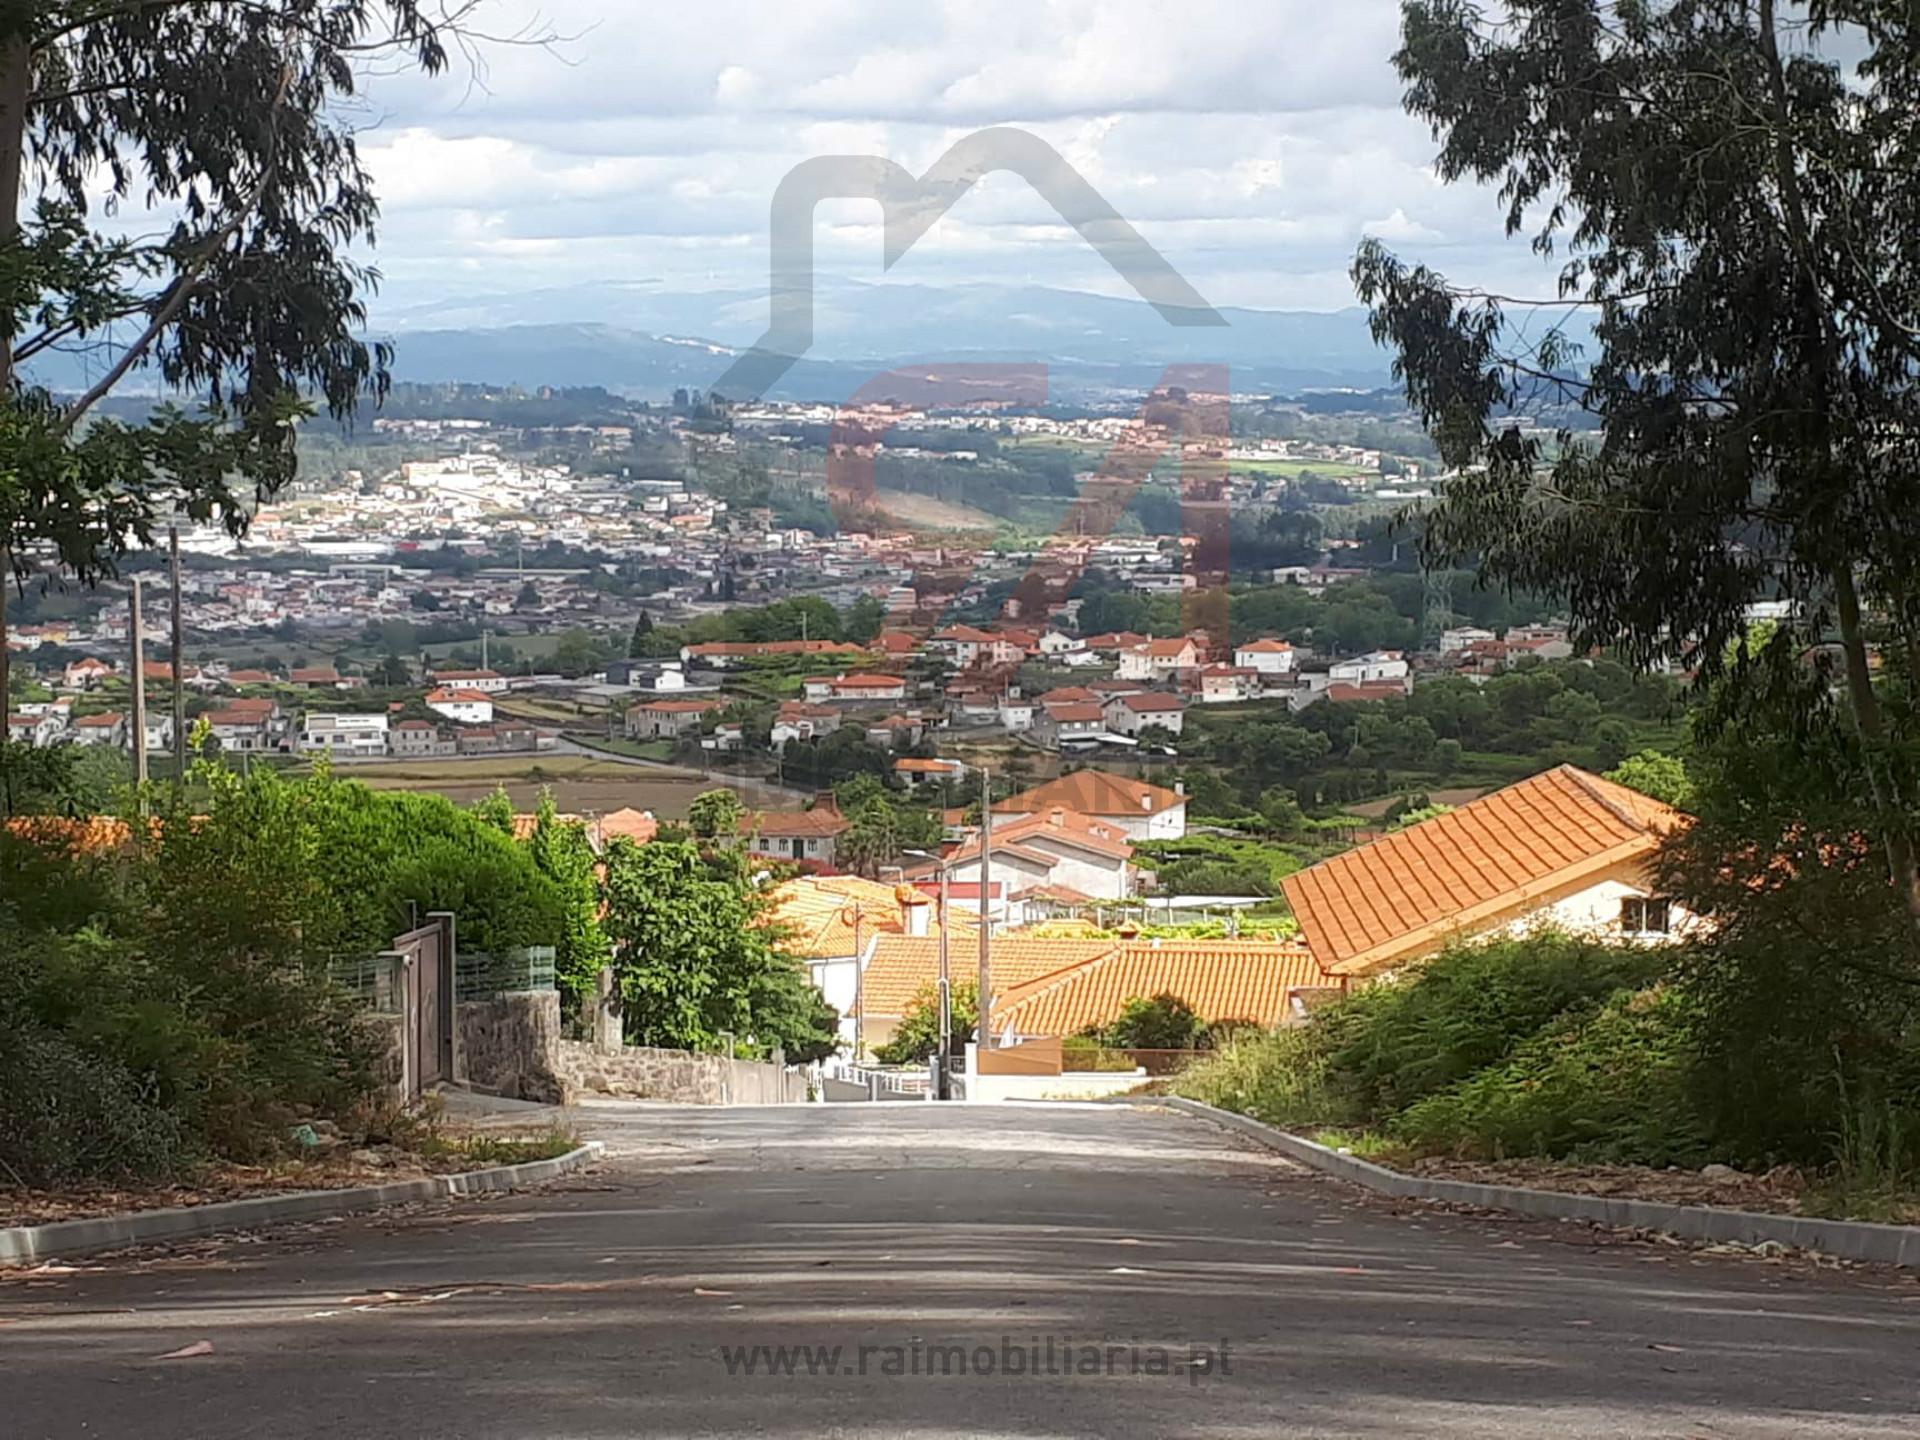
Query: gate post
x=606, y=1033
x=446, y=980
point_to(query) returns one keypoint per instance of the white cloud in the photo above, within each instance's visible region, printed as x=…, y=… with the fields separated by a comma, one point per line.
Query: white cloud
x=1254, y=145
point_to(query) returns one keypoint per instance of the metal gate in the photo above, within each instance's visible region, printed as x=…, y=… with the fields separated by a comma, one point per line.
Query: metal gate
x=425, y=958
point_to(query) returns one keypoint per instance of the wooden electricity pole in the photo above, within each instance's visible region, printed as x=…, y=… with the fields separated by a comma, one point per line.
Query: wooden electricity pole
x=134, y=622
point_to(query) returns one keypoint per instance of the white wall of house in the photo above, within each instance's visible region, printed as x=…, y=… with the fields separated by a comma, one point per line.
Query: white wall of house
x=1365, y=669
x=1090, y=874
x=467, y=712
x=1267, y=662
x=1596, y=910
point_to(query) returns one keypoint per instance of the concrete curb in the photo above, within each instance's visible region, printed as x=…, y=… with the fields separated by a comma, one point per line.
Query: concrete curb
x=26, y=1244
x=1846, y=1239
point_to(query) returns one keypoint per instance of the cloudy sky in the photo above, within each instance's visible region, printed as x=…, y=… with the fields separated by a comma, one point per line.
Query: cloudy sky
x=1254, y=144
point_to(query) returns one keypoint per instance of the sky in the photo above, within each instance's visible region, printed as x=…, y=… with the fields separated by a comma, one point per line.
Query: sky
x=1253, y=143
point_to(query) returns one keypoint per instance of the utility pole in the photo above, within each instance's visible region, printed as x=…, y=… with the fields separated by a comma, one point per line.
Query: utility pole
x=859, y=993
x=983, y=1032
x=179, y=668
x=943, y=1088
x=134, y=621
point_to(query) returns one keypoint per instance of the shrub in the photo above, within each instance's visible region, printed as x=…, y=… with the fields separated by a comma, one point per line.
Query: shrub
x=1283, y=1077
x=68, y=1115
x=1469, y=1007
x=1611, y=1085
x=1165, y=1022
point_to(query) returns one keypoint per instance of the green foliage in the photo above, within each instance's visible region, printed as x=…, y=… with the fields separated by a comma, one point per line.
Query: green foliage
x=694, y=960
x=917, y=1036
x=1616, y=1084
x=562, y=854
x=715, y=815
x=1162, y=1022
x=1470, y=1007
x=391, y=856
x=1284, y=1077
x=496, y=810
x=1198, y=864
x=1655, y=773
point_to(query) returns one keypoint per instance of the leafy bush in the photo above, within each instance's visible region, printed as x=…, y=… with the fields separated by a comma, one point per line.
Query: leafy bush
x=1468, y=1008
x=1164, y=1022
x=1611, y=1085
x=1284, y=1077
x=67, y=1114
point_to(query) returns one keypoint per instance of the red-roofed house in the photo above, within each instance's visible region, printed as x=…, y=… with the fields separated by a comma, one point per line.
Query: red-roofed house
x=1266, y=655
x=1159, y=660
x=1564, y=848
x=667, y=719
x=1145, y=709
x=469, y=707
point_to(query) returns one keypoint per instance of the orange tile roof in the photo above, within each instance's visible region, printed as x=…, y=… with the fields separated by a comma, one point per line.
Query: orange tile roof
x=1266, y=645
x=793, y=824
x=904, y=965
x=1492, y=857
x=1094, y=792
x=675, y=707
x=1220, y=979
x=818, y=913
x=1058, y=825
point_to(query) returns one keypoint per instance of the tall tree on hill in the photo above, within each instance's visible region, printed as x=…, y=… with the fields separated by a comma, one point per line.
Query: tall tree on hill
x=1736, y=215
x=224, y=117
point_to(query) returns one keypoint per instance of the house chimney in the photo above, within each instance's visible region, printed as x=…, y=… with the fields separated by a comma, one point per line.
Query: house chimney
x=916, y=911
x=1058, y=818
x=1179, y=787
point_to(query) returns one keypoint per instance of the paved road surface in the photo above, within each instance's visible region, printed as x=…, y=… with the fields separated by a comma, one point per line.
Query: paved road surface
x=600, y=1307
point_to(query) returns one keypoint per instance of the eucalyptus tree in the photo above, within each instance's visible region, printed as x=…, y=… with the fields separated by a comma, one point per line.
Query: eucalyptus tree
x=225, y=122
x=1725, y=191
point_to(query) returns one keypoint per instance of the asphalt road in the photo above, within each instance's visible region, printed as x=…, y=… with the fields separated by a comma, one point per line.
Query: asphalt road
x=907, y=1236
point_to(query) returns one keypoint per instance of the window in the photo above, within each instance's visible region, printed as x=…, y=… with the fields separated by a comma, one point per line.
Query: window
x=1645, y=915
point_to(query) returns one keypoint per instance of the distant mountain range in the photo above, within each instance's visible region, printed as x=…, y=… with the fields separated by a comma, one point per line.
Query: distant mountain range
x=647, y=341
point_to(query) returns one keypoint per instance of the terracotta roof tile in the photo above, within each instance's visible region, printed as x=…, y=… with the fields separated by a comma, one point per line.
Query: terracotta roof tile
x=1386, y=900
x=904, y=965
x=1094, y=792
x=1220, y=979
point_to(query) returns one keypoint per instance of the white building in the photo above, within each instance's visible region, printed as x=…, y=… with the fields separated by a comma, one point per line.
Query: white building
x=1145, y=709
x=352, y=735
x=1367, y=669
x=1267, y=656
x=487, y=682
x=469, y=707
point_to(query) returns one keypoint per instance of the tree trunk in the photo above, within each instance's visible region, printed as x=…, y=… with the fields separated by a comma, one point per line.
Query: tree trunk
x=1866, y=717
x=16, y=70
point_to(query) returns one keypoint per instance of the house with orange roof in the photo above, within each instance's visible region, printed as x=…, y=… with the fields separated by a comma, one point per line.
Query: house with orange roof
x=899, y=968
x=1266, y=656
x=804, y=837
x=1159, y=660
x=1565, y=849
x=914, y=772
x=667, y=719
x=1130, y=714
x=85, y=673
x=831, y=923
x=801, y=720
x=1048, y=849
x=1140, y=811
x=1260, y=982
x=487, y=682
x=468, y=707
x=1068, y=723
x=107, y=729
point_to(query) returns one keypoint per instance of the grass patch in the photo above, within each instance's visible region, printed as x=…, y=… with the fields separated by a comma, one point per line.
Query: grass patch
x=481, y=1150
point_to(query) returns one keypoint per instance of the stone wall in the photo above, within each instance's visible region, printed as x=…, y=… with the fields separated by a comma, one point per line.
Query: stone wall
x=677, y=1076
x=510, y=1046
